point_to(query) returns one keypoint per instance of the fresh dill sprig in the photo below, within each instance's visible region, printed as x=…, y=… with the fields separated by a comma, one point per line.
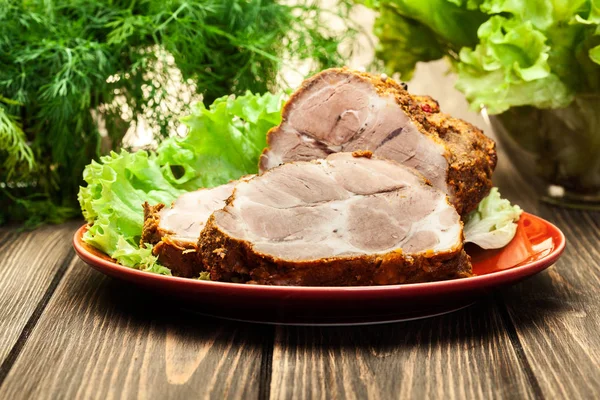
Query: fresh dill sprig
x=80, y=73
x=13, y=144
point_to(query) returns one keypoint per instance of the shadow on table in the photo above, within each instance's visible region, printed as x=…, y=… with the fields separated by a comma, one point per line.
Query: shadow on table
x=131, y=310
x=488, y=318
x=495, y=318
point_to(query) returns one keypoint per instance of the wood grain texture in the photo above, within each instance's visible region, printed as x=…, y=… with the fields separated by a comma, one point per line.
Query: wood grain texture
x=101, y=339
x=29, y=262
x=464, y=355
x=474, y=353
x=556, y=314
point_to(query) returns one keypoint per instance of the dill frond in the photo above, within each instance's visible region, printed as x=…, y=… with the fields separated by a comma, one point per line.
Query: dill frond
x=72, y=67
x=14, y=150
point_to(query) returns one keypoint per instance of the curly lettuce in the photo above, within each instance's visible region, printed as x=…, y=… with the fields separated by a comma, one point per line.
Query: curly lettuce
x=223, y=143
x=224, y=140
x=411, y=40
x=494, y=223
x=510, y=68
x=412, y=31
x=507, y=53
x=111, y=203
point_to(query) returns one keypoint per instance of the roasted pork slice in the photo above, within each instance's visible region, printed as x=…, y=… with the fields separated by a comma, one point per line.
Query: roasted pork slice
x=339, y=110
x=342, y=221
x=174, y=231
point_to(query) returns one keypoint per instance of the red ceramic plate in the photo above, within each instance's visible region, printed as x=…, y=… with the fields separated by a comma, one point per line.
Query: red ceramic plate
x=536, y=246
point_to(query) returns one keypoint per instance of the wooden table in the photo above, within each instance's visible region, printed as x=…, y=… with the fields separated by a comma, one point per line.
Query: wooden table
x=66, y=331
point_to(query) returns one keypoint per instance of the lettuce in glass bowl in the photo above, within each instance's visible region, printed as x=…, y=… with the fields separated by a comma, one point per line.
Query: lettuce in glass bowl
x=532, y=65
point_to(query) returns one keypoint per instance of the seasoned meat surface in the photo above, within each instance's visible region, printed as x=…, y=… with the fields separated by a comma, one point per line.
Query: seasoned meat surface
x=339, y=110
x=346, y=220
x=174, y=231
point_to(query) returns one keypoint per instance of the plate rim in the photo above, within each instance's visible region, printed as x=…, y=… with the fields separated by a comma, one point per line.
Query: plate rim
x=493, y=278
x=342, y=324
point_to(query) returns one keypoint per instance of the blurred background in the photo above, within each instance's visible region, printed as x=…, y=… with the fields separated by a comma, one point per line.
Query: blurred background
x=79, y=79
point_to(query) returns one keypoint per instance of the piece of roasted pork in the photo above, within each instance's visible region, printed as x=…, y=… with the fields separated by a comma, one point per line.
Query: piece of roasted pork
x=340, y=110
x=174, y=230
x=345, y=220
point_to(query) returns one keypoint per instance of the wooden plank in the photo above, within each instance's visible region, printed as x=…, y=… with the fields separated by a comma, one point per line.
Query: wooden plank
x=474, y=353
x=466, y=354
x=557, y=314
x=31, y=264
x=100, y=338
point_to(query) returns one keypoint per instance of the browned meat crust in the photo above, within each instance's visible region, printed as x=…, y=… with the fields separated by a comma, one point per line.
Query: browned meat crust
x=180, y=257
x=151, y=232
x=228, y=259
x=472, y=158
x=470, y=154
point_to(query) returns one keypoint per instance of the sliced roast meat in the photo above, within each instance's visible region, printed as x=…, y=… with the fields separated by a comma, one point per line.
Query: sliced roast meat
x=339, y=110
x=174, y=231
x=346, y=220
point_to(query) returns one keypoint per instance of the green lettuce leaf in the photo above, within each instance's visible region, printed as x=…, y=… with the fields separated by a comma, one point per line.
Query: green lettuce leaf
x=592, y=21
x=412, y=31
x=224, y=140
x=595, y=54
x=507, y=53
x=138, y=257
x=112, y=201
x=538, y=12
x=510, y=68
x=468, y=4
x=453, y=24
x=493, y=224
x=204, y=276
x=411, y=42
x=223, y=143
